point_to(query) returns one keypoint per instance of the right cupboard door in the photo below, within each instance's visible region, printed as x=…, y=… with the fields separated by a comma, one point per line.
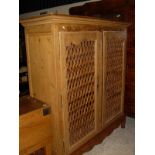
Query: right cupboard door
x=114, y=43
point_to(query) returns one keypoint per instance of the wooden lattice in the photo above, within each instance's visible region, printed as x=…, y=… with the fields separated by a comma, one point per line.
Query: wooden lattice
x=80, y=89
x=113, y=77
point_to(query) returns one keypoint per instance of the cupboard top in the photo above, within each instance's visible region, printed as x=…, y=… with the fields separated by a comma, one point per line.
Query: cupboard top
x=52, y=19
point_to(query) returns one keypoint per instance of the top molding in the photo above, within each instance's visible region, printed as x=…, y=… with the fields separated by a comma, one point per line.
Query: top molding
x=52, y=19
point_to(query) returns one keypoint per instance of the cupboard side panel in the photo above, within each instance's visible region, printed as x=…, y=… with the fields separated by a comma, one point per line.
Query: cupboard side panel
x=42, y=73
x=41, y=66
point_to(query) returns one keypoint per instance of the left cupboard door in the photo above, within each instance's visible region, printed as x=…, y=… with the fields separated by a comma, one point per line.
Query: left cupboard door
x=80, y=58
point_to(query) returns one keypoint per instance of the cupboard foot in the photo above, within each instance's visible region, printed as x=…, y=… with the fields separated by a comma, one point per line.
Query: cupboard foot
x=123, y=123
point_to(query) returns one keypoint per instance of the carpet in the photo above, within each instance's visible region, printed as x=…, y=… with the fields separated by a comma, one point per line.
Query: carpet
x=119, y=142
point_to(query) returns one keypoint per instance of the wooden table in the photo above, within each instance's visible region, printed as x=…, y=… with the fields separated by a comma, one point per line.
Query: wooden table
x=34, y=127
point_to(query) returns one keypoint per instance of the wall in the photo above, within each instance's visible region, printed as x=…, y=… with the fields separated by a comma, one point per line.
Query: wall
x=60, y=9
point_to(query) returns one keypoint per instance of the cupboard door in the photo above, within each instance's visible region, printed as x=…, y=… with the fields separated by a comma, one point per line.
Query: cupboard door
x=114, y=43
x=79, y=53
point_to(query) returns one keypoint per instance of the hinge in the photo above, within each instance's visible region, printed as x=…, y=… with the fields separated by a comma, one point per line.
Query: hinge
x=59, y=47
x=63, y=146
x=61, y=102
x=97, y=83
x=59, y=56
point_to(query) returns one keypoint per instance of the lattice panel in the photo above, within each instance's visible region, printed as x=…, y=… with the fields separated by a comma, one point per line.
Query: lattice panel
x=80, y=89
x=113, y=77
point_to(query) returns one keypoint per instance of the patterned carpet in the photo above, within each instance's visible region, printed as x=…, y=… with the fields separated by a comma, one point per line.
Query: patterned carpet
x=120, y=142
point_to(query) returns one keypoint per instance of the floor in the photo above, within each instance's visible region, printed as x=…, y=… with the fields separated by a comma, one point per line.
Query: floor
x=120, y=142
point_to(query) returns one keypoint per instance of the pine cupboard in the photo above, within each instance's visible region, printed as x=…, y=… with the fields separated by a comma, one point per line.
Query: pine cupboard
x=77, y=65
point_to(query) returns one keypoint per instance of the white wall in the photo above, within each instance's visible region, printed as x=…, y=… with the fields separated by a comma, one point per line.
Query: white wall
x=64, y=9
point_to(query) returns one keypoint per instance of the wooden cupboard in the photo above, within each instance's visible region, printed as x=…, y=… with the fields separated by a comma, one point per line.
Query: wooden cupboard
x=77, y=65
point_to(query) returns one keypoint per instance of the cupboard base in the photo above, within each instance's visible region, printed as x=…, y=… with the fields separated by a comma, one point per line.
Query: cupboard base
x=101, y=135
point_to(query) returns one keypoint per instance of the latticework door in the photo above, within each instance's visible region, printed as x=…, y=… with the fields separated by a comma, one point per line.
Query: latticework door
x=113, y=74
x=79, y=52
